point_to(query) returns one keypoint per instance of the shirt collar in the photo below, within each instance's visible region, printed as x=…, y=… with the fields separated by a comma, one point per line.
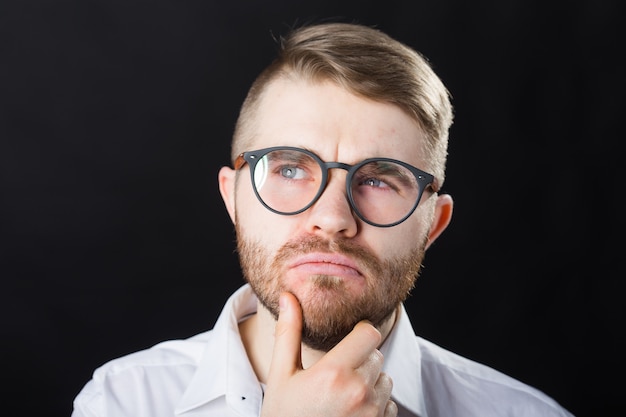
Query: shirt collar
x=403, y=364
x=225, y=370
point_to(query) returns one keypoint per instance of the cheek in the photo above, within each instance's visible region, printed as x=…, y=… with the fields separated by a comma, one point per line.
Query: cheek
x=402, y=239
x=257, y=223
x=392, y=243
x=422, y=218
x=248, y=208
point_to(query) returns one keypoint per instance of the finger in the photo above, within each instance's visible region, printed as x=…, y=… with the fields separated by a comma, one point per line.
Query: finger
x=357, y=347
x=391, y=409
x=383, y=387
x=286, y=358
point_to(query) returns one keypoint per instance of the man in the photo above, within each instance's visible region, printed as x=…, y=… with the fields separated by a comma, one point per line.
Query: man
x=338, y=156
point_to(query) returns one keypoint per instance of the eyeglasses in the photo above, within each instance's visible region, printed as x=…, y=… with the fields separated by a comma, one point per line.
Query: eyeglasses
x=382, y=192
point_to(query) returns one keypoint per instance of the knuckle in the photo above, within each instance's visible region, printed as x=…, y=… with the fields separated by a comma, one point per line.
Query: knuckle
x=359, y=395
x=334, y=376
x=377, y=356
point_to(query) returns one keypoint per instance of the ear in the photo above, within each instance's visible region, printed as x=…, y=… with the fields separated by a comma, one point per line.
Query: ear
x=441, y=218
x=226, y=179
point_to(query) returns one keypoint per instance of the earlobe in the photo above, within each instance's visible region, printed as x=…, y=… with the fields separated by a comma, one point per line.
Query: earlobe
x=226, y=179
x=441, y=217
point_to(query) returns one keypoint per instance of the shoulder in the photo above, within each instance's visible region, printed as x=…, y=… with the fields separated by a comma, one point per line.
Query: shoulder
x=169, y=366
x=451, y=380
x=171, y=353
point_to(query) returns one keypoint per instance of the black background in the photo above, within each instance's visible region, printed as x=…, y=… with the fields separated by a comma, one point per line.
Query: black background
x=116, y=116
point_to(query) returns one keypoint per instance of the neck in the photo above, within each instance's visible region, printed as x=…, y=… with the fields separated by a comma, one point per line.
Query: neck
x=257, y=334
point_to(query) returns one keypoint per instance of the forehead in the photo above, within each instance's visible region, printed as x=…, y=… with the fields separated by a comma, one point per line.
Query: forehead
x=334, y=123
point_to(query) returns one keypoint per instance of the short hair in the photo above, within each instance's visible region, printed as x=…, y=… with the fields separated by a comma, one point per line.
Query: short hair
x=368, y=63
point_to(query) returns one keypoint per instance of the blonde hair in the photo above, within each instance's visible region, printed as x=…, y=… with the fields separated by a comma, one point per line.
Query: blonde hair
x=368, y=63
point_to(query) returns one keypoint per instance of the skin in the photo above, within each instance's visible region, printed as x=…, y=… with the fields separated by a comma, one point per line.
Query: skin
x=346, y=261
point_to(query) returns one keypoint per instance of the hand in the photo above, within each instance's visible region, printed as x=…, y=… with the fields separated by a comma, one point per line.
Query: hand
x=346, y=381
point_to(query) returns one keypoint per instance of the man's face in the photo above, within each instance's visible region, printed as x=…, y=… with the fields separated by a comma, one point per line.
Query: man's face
x=341, y=269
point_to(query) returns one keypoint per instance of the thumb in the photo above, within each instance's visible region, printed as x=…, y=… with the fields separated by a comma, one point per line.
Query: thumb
x=286, y=358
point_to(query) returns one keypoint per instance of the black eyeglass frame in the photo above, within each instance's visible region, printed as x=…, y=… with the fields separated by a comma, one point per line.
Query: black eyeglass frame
x=424, y=179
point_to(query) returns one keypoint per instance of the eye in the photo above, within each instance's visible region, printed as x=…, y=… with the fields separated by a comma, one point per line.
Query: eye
x=291, y=172
x=373, y=182
x=385, y=176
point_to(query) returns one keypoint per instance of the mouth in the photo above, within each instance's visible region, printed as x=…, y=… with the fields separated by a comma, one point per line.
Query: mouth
x=326, y=264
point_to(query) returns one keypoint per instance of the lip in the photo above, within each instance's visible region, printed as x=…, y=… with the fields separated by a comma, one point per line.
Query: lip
x=326, y=263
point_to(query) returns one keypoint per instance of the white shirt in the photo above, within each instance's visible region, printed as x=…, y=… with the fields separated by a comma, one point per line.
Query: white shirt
x=210, y=375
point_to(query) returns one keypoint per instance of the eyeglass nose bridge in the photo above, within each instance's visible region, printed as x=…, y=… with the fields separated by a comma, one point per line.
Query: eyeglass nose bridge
x=327, y=166
x=341, y=165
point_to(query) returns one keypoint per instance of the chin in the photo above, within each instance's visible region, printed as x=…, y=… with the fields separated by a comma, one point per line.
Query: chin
x=315, y=286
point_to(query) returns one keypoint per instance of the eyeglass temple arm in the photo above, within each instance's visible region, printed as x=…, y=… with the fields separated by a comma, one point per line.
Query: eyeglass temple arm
x=434, y=186
x=239, y=162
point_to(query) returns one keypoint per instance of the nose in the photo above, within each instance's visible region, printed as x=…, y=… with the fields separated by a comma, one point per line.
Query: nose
x=331, y=214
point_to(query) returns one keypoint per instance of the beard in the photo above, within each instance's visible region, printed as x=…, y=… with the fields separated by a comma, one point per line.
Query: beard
x=329, y=310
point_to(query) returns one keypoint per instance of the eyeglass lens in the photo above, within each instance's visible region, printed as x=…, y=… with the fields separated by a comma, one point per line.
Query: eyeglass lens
x=382, y=192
